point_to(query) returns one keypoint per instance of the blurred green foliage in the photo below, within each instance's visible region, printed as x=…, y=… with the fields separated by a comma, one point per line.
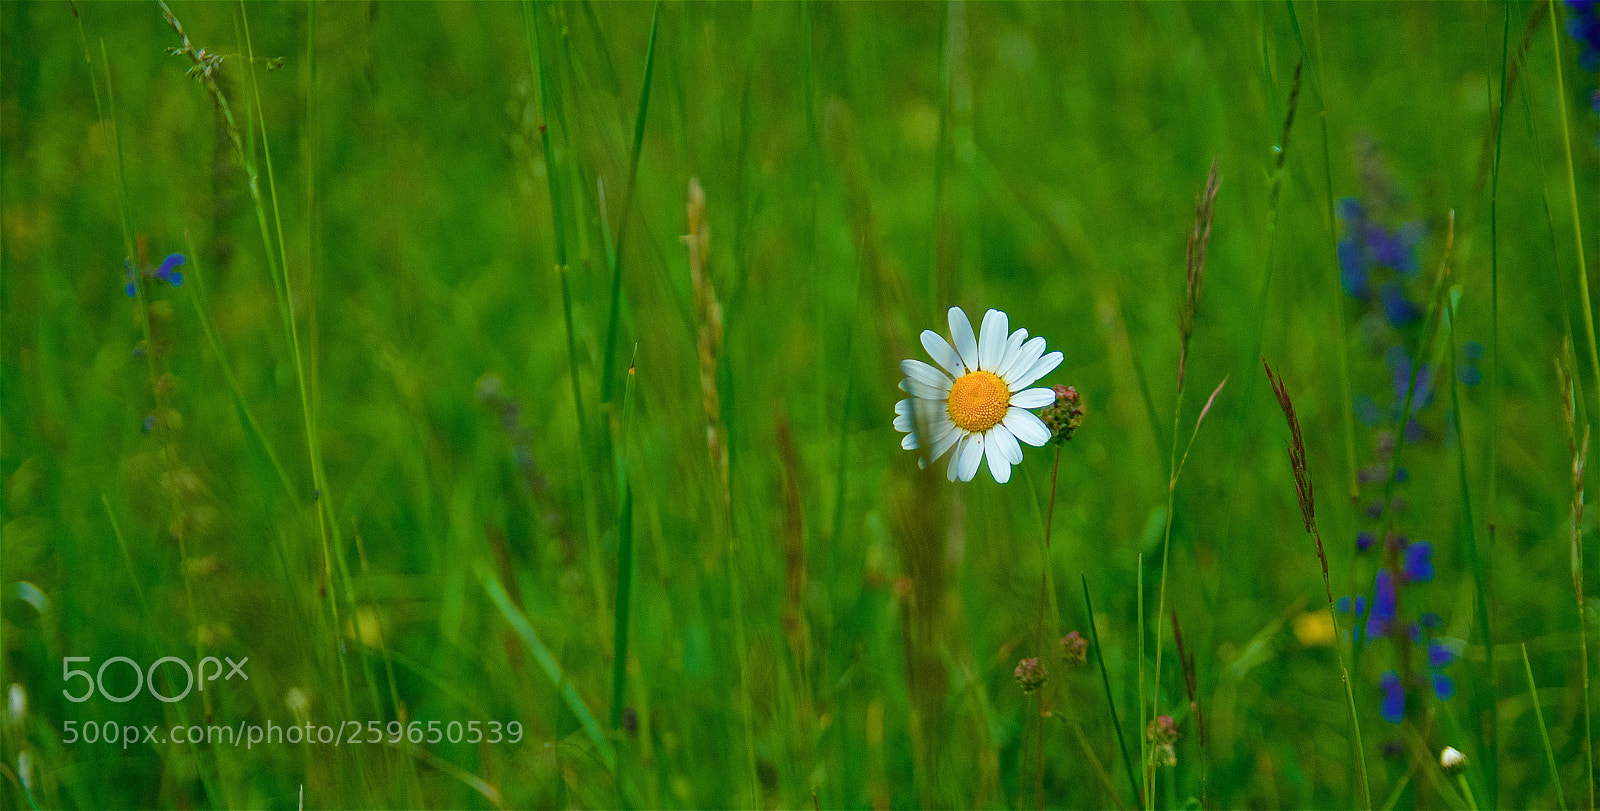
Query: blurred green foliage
x=866, y=166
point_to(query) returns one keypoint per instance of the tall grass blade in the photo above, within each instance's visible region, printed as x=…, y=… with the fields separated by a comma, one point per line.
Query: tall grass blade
x=1485, y=696
x=200, y=300
x=1544, y=732
x=619, y=671
x=614, y=252
x=1572, y=199
x=1111, y=704
x=1336, y=290
x=547, y=663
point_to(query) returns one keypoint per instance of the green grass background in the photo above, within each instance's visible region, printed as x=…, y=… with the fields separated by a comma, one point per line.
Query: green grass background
x=866, y=166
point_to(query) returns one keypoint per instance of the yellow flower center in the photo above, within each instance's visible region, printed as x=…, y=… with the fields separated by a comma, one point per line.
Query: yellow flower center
x=978, y=401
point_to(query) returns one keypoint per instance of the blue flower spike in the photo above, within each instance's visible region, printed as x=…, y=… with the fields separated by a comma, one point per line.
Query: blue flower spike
x=1444, y=687
x=1354, y=267
x=1419, y=562
x=1396, y=307
x=1384, y=603
x=1440, y=654
x=168, y=271
x=1364, y=541
x=1393, y=705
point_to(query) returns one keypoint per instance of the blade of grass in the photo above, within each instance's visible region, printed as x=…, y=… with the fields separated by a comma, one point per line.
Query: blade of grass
x=614, y=252
x=1146, y=773
x=1572, y=199
x=1485, y=709
x=1544, y=733
x=1467, y=536
x=586, y=493
x=200, y=301
x=1337, y=290
x=619, y=671
x=547, y=663
x=1111, y=704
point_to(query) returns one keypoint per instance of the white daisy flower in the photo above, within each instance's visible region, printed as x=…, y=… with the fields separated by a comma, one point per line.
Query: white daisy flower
x=976, y=401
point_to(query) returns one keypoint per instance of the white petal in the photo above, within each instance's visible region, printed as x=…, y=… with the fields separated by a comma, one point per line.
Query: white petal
x=1010, y=350
x=1026, y=427
x=971, y=457
x=1007, y=442
x=1021, y=359
x=992, y=340
x=1039, y=369
x=961, y=338
x=903, y=406
x=923, y=373
x=947, y=435
x=923, y=391
x=934, y=423
x=1033, y=398
x=939, y=349
x=999, y=464
x=960, y=451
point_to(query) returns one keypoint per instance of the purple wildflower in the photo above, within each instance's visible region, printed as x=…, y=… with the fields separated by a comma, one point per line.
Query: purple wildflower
x=1354, y=269
x=1444, y=687
x=167, y=272
x=1364, y=541
x=1440, y=654
x=1396, y=307
x=1584, y=27
x=1384, y=603
x=1419, y=562
x=1393, y=706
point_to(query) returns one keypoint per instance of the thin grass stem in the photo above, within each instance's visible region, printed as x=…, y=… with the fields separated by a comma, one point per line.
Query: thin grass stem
x=1544, y=732
x=203, y=316
x=1111, y=703
x=1572, y=199
x=614, y=252
x=619, y=671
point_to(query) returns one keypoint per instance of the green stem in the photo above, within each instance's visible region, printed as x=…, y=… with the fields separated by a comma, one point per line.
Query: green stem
x=1111, y=704
x=619, y=670
x=1544, y=733
x=614, y=253
x=1161, y=602
x=1572, y=199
